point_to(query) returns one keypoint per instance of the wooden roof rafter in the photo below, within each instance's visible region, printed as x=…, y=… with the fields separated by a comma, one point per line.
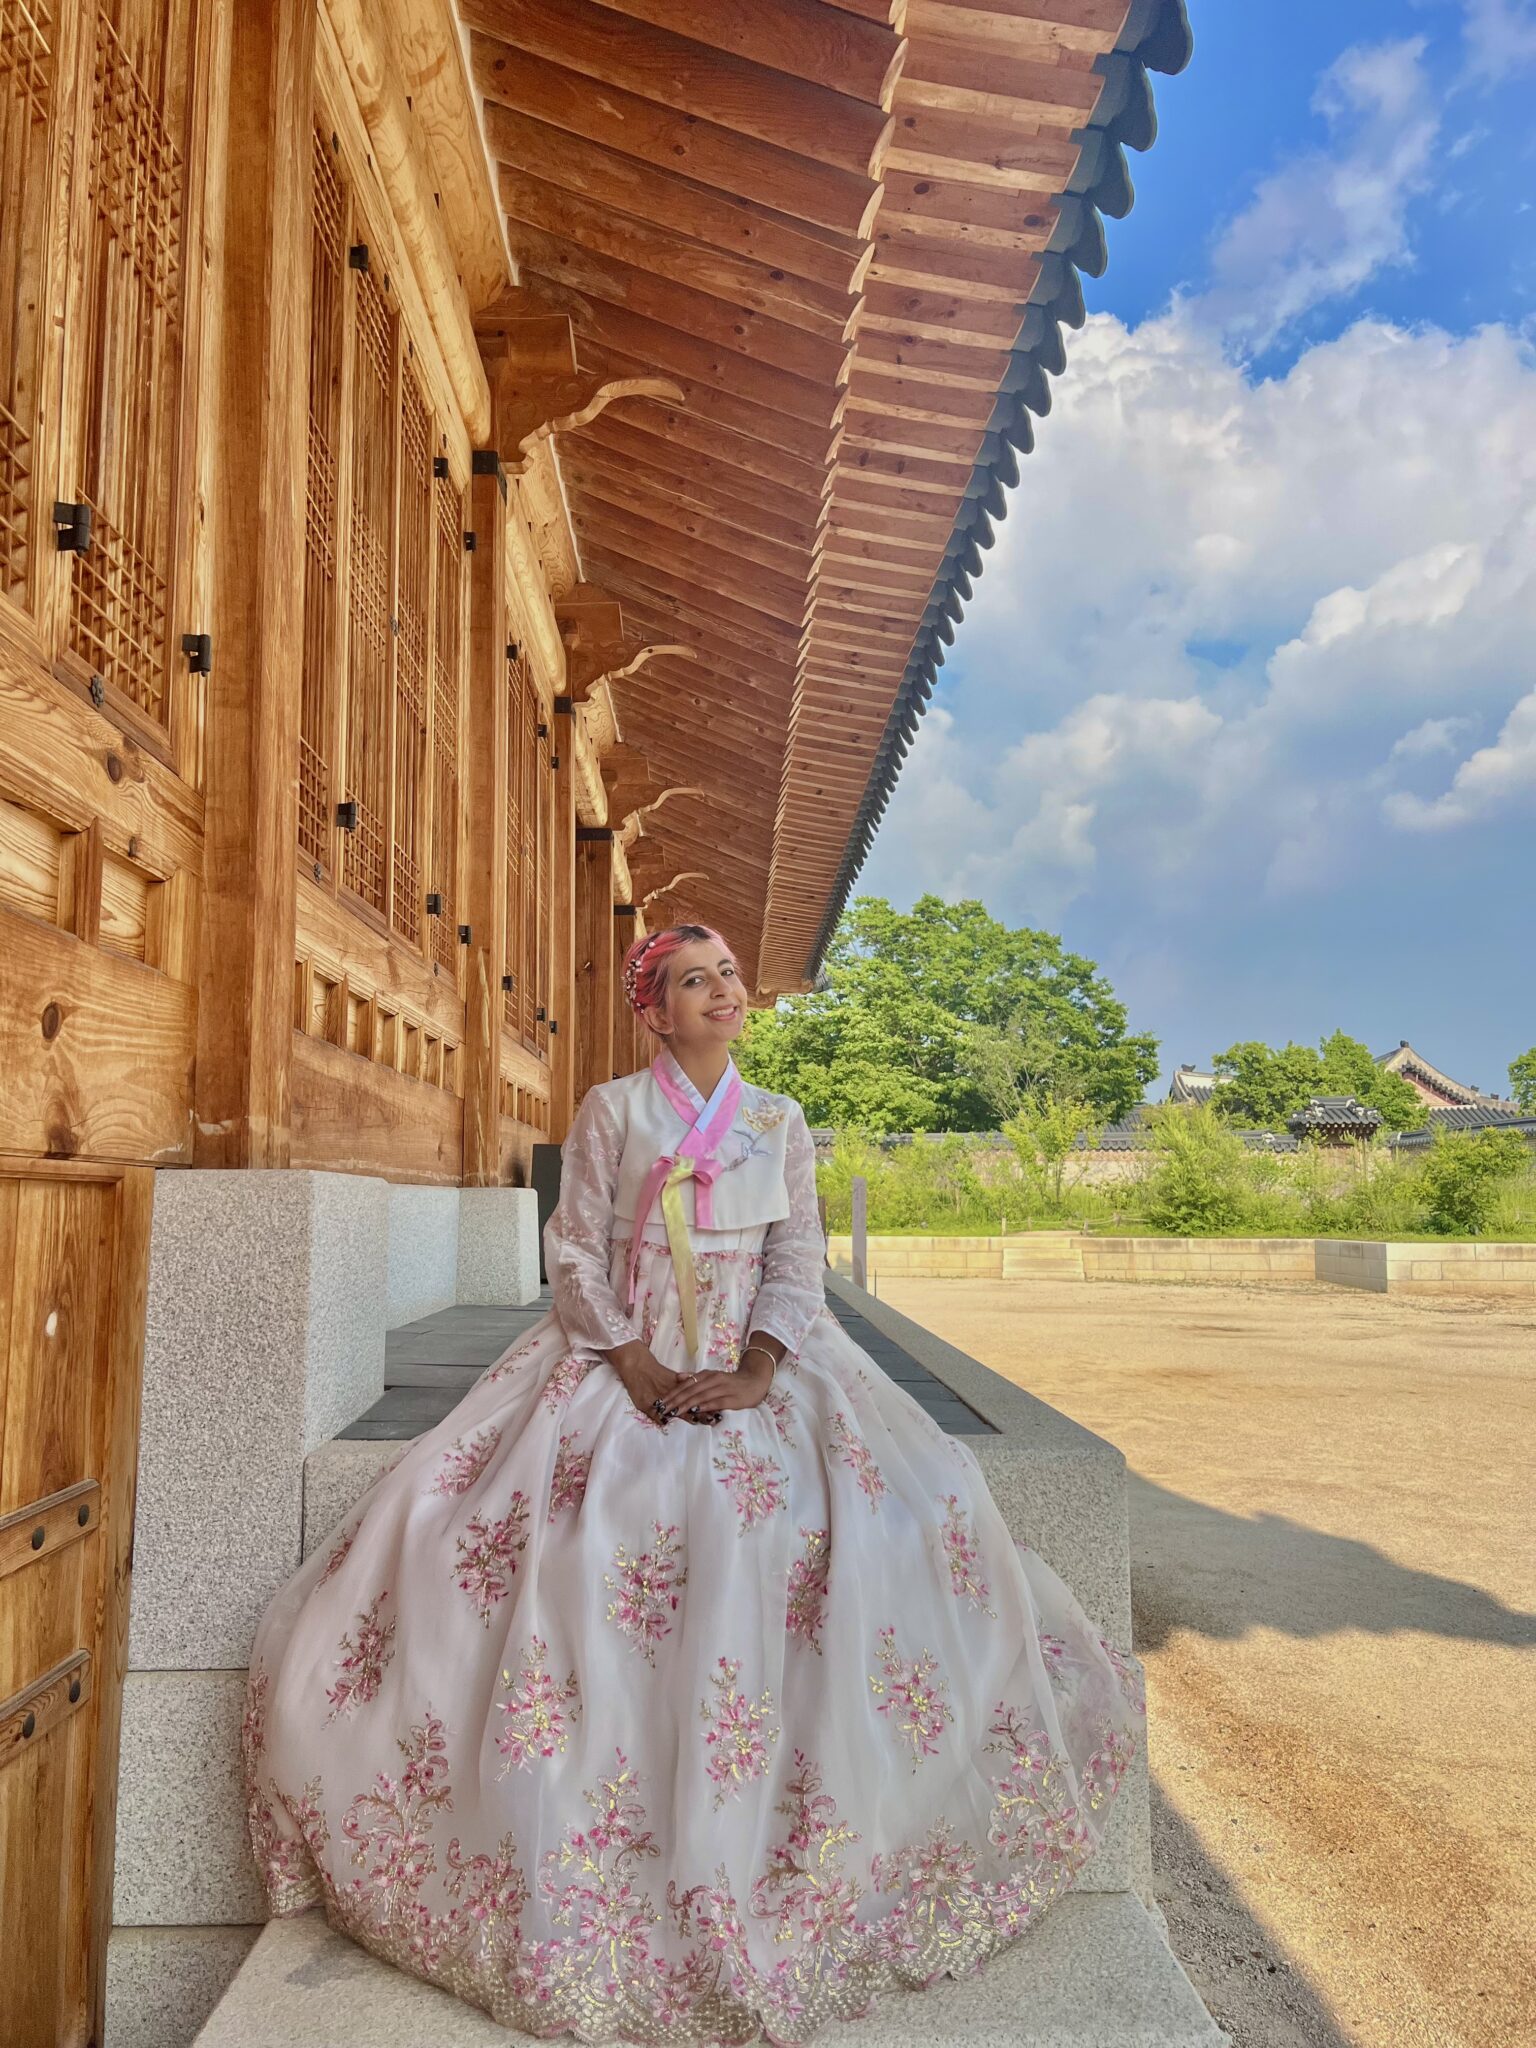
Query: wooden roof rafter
x=848, y=235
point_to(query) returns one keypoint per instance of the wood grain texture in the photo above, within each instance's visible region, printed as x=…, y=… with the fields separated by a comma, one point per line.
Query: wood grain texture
x=352, y=1115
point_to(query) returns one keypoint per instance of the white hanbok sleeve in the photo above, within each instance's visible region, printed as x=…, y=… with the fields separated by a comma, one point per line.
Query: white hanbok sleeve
x=792, y=1293
x=577, y=1237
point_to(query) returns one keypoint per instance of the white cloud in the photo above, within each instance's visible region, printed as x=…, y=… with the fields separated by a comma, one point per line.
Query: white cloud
x=1483, y=784
x=1326, y=222
x=1500, y=36
x=1356, y=540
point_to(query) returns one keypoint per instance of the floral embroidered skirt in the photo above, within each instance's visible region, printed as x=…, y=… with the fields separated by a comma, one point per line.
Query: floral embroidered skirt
x=701, y=1733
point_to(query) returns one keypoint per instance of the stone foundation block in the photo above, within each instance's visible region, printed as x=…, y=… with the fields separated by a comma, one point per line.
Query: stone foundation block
x=498, y=1246
x=163, y=1982
x=423, y=1253
x=183, y=1853
x=264, y=1336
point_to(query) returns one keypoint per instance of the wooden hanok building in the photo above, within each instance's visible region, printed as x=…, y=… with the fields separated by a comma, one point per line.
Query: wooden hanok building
x=477, y=477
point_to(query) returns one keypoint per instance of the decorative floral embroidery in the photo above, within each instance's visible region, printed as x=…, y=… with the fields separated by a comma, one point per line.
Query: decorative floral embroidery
x=610, y=1915
x=648, y=1587
x=537, y=1722
x=362, y=1663
x=568, y=1487
x=808, y=1588
x=1109, y=1763
x=755, y=1484
x=511, y=1362
x=781, y=1408
x=487, y=1555
x=803, y=1891
x=338, y=1556
x=280, y=1856
x=1053, y=1649
x=762, y=1116
x=964, y=1553
x=390, y=1827
x=1033, y=1812
x=911, y=1698
x=737, y=1733
x=566, y=1377
x=858, y=1457
x=464, y=1462
x=726, y=1331
x=1130, y=1681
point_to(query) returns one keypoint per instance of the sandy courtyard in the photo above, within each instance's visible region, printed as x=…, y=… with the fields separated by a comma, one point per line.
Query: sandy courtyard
x=1333, y=1531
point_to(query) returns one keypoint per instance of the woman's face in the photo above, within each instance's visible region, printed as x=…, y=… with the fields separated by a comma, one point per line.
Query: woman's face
x=706, y=1002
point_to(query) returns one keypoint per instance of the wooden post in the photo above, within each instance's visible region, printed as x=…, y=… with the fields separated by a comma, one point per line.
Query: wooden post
x=562, y=1044
x=624, y=1060
x=259, y=424
x=594, y=957
x=860, y=1231
x=486, y=834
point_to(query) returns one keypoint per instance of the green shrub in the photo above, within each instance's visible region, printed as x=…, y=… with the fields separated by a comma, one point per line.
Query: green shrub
x=1198, y=1185
x=1463, y=1176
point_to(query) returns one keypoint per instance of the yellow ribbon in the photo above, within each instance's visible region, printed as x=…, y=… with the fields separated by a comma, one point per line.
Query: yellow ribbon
x=682, y=1251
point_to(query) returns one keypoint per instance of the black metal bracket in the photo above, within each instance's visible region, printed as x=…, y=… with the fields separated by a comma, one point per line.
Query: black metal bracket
x=465, y=934
x=72, y=526
x=198, y=648
x=349, y=815
x=624, y=910
x=439, y=465
x=434, y=905
x=539, y=1014
x=566, y=705
x=488, y=462
x=357, y=256
x=542, y=730
x=514, y=649
x=509, y=982
x=554, y=760
x=469, y=543
x=554, y=1027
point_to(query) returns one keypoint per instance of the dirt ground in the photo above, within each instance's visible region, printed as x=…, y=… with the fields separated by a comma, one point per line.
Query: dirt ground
x=1333, y=1533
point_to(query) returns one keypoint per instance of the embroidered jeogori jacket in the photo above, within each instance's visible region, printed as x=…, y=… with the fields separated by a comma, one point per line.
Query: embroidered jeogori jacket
x=750, y=1183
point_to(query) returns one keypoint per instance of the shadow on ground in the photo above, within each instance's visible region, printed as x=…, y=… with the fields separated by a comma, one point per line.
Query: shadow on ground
x=1267, y=1571
x=1251, y=1988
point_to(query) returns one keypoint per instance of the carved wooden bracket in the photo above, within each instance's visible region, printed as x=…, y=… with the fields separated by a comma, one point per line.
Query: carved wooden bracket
x=537, y=388
x=633, y=827
x=598, y=650
x=667, y=887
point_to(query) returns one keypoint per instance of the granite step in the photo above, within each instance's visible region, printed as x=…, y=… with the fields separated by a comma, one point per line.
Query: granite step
x=1095, y=1973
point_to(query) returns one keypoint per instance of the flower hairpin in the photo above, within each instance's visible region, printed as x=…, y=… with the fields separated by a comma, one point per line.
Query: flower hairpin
x=632, y=971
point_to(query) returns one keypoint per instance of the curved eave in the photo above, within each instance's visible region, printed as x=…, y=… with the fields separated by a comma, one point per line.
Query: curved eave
x=1156, y=37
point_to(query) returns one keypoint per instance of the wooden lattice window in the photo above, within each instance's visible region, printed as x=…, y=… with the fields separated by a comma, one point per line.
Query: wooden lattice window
x=413, y=629
x=129, y=345
x=448, y=598
x=517, y=992
x=365, y=868
x=318, y=703
x=28, y=105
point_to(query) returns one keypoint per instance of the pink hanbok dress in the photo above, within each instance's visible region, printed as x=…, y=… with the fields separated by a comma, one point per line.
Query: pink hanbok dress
x=704, y=1732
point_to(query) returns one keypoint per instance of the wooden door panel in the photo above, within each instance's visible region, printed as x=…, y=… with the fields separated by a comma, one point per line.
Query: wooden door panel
x=73, y=1257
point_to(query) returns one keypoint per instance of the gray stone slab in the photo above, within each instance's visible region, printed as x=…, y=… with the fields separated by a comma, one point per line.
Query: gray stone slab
x=461, y=1376
x=498, y=1245
x=1094, y=1973
x=423, y=1252
x=264, y=1335
x=335, y=1479
x=183, y=1854
x=163, y=1982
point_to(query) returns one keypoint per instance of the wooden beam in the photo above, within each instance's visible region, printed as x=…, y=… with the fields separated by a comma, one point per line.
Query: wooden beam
x=540, y=391
x=362, y=37
x=447, y=110
x=561, y=1001
x=655, y=247
x=614, y=179
x=718, y=451
x=732, y=92
x=734, y=499
x=594, y=487
x=778, y=431
x=675, y=140
x=801, y=37
x=485, y=836
x=258, y=416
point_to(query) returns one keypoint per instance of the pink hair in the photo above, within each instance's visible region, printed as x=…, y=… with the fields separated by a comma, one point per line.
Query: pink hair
x=646, y=962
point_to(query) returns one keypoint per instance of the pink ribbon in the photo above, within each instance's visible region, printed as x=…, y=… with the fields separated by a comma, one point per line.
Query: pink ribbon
x=698, y=1147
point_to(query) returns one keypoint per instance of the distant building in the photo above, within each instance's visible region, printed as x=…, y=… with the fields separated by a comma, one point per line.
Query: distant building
x=1335, y=1120
x=1190, y=1085
x=1435, y=1087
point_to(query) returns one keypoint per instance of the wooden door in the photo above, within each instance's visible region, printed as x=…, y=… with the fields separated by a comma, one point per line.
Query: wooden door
x=73, y=1260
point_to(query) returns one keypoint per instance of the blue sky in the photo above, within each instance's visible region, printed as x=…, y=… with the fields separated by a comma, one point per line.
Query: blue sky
x=1245, y=703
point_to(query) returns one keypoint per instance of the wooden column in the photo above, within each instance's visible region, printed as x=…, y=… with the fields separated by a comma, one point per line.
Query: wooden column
x=486, y=822
x=594, y=957
x=258, y=420
x=562, y=1044
x=623, y=1015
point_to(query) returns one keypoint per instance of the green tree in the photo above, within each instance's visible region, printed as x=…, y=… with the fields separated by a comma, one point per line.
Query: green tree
x=941, y=1018
x=1522, y=1079
x=1464, y=1173
x=1045, y=1132
x=1263, y=1086
x=1198, y=1186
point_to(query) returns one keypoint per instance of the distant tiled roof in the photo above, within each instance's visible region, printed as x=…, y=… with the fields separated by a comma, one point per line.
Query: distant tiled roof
x=1463, y=1116
x=1335, y=1113
x=1190, y=1085
x=1413, y=1066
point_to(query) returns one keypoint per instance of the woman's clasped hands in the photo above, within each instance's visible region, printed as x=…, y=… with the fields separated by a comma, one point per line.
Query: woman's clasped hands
x=700, y=1397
